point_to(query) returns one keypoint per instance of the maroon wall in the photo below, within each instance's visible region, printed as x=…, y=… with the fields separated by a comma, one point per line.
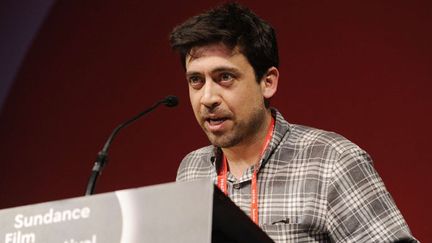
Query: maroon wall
x=362, y=69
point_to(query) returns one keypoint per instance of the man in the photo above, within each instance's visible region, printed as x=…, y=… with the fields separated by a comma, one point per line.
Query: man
x=299, y=184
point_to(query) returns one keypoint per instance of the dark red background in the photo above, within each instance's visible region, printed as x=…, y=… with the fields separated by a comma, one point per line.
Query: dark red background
x=360, y=68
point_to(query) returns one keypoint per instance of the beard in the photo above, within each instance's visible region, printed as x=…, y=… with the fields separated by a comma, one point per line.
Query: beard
x=241, y=132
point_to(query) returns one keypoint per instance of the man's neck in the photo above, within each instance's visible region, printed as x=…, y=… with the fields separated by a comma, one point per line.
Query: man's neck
x=247, y=153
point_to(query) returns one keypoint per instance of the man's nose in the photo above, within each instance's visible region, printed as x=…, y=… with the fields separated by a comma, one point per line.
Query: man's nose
x=210, y=97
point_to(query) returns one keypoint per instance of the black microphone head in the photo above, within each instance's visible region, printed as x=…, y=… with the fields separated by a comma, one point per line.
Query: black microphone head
x=171, y=101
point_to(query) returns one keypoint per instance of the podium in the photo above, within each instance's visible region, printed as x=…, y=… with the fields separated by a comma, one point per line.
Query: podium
x=174, y=212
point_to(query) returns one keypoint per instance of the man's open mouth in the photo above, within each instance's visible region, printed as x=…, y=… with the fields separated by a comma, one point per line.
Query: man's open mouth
x=215, y=121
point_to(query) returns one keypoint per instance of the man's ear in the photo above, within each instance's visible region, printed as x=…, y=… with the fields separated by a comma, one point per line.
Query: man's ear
x=269, y=82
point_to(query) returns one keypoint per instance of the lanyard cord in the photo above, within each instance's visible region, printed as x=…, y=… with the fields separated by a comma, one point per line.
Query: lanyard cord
x=222, y=176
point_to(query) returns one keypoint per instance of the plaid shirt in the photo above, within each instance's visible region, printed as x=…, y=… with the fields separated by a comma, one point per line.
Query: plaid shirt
x=314, y=186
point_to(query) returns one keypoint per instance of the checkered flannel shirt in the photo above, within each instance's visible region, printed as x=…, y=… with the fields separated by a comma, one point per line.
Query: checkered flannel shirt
x=313, y=185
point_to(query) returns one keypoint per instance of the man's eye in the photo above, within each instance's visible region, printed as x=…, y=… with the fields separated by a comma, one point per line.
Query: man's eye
x=195, y=81
x=226, y=77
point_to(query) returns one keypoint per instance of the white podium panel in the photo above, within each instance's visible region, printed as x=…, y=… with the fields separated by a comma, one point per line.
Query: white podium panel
x=162, y=213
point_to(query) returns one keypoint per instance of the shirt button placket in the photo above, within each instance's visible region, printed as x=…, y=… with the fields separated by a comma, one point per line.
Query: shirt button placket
x=236, y=192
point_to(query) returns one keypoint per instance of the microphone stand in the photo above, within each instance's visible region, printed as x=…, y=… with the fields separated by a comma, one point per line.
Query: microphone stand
x=102, y=158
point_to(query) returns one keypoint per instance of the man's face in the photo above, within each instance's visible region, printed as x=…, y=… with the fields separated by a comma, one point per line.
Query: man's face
x=227, y=100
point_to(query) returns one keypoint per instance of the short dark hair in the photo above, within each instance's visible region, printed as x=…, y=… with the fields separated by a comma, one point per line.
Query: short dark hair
x=232, y=25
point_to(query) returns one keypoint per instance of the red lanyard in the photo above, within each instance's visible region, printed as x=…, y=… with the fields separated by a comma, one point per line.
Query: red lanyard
x=222, y=176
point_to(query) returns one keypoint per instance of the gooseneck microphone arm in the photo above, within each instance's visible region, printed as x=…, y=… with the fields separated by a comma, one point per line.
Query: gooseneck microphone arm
x=102, y=158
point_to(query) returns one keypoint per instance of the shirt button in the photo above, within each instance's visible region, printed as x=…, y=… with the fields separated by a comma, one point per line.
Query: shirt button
x=237, y=186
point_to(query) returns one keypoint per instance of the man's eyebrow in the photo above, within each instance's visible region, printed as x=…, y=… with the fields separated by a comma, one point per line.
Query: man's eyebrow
x=215, y=70
x=225, y=69
x=188, y=74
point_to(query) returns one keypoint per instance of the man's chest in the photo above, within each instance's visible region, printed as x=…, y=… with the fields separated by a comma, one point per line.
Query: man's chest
x=292, y=205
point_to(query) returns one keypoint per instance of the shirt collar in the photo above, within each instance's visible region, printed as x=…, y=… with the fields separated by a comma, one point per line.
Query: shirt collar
x=281, y=129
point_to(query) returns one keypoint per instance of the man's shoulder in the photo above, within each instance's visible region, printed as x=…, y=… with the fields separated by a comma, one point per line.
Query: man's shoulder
x=302, y=137
x=299, y=137
x=196, y=164
x=201, y=153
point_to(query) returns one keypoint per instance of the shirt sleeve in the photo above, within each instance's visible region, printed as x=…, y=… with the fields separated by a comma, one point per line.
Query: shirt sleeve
x=360, y=209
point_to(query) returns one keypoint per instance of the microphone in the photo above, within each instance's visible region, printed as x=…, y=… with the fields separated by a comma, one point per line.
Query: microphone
x=171, y=101
x=102, y=158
